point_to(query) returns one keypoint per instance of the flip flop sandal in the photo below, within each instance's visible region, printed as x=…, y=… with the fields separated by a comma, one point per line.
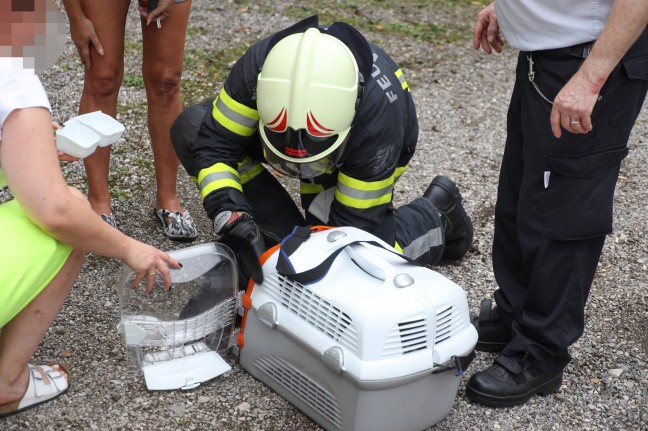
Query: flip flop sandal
x=45, y=384
x=110, y=219
x=177, y=226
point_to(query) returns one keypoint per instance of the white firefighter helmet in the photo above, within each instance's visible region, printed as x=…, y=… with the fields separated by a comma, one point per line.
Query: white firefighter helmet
x=307, y=93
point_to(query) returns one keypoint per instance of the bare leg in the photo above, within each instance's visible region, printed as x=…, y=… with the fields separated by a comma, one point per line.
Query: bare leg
x=101, y=88
x=162, y=71
x=22, y=335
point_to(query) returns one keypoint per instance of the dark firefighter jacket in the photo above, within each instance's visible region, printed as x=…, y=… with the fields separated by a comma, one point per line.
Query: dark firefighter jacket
x=382, y=139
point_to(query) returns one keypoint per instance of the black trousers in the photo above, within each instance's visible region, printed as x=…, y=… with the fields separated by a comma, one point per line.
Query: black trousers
x=555, y=200
x=415, y=227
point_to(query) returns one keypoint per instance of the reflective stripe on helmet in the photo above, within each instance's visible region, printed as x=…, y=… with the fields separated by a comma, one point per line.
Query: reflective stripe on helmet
x=235, y=116
x=218, y=176
x=401, y=78
x=361, y=194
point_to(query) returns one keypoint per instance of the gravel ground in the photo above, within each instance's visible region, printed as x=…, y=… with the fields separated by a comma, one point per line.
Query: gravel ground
x=462, y=97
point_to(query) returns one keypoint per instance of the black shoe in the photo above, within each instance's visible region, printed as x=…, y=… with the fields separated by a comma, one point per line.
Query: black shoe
x=508, y=382
x=493, y=333
x=457, y=226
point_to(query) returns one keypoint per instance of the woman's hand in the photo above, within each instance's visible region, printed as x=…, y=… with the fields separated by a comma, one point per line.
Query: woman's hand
x=161, y=12
x=146, y=261
x=84, y=36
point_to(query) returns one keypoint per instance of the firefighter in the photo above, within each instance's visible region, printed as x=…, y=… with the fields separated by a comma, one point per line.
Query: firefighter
x=327, y=107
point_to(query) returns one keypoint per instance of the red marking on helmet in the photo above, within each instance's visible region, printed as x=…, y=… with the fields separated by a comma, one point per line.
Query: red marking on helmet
x=293, y=152
x=315, y=128
x=280, y=122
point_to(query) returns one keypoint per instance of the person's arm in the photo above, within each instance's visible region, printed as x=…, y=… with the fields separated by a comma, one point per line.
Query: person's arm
x=32, y=171
x=82, y=31
x=487, y=32
x=574, y=103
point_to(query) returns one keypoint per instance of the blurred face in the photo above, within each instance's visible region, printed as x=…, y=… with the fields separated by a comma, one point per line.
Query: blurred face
x=33, y=30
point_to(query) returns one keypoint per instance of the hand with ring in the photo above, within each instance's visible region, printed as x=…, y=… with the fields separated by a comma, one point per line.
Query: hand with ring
x=573, y=105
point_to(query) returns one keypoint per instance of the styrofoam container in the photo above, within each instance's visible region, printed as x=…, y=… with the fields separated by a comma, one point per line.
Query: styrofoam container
x=369, y=347
x=109, y=129
x=77, y=140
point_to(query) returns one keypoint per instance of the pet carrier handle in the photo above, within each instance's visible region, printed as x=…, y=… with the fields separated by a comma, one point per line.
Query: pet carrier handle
x=301, y=234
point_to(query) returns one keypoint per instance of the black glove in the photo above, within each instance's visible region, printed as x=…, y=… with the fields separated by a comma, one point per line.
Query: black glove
x=240, y=224
x=240, y=233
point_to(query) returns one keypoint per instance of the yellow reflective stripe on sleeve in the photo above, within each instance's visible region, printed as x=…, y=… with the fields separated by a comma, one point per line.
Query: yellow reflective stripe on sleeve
x=249, y=169
x=399, y=171
x=310, y=189
x=401, y=78
x=235, y=116
x=218, y=176
x=362, y=195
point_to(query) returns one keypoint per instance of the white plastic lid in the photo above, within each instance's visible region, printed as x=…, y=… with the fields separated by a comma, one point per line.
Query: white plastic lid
x=76, y=140
x=109, y=129
x=184, y=373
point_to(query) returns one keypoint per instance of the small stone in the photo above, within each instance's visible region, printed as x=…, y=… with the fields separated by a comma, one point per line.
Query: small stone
x=178, y=409
x=616, y=372
x=244, y=406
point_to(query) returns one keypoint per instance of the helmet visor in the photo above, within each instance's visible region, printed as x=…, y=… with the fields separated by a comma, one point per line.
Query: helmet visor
x=297, y=154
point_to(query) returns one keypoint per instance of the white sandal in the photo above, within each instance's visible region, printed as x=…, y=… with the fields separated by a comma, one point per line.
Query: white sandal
x=45, y=384
x=177, y=226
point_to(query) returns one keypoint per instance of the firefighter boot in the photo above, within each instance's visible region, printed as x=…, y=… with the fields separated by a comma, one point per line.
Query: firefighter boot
x=457, y=226
x=494, y=333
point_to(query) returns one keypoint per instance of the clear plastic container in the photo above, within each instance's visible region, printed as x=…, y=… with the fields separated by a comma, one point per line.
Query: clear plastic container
x=177, y=336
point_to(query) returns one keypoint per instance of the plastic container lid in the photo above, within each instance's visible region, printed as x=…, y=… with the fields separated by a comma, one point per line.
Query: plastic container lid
x=77, y=140
x=109, y=129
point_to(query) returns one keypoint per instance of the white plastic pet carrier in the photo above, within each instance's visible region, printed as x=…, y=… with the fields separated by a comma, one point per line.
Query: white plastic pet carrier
x=355, y=335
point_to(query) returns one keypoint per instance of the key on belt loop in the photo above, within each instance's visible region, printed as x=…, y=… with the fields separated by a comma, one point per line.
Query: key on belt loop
x=532, y=77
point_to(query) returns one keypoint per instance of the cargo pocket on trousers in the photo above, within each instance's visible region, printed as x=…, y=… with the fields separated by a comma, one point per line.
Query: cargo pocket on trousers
x=580, y=193
x=635, y=71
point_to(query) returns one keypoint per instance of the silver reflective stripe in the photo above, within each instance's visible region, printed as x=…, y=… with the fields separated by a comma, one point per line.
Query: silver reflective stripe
x=217, y=176
x=321, y=205
x=424, y=243
x=364, y=195
x=235, y=116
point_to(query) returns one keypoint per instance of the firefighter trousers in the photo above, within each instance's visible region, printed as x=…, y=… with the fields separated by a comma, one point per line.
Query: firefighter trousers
x=554, y=202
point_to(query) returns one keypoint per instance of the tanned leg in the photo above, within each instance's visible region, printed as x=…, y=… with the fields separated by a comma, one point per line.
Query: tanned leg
x=162, y=71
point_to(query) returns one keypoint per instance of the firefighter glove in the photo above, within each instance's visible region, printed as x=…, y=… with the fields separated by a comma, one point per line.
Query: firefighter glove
x=240, y=224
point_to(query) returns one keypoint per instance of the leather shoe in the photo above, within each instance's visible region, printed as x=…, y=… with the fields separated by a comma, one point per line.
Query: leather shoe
x=493, y=333
x=457, y=226
x=509, y=382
